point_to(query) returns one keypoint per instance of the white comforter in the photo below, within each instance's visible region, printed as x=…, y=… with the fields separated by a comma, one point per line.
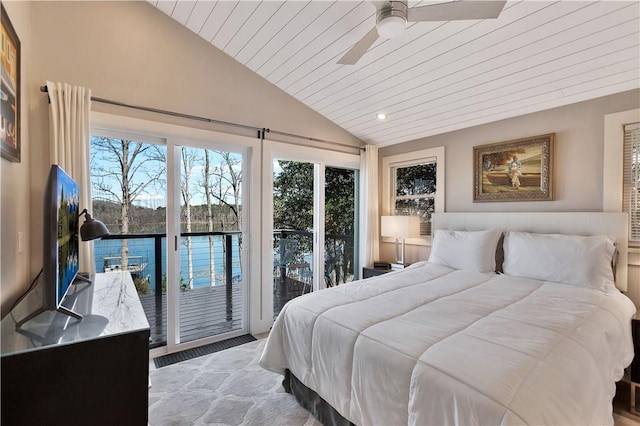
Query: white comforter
x=433, y=345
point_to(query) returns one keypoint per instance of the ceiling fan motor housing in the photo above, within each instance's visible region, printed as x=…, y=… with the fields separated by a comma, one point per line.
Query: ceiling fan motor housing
x=391, y=21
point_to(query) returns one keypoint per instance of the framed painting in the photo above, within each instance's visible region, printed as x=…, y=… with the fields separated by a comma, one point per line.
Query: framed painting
x=9, y=90
x=517, y=170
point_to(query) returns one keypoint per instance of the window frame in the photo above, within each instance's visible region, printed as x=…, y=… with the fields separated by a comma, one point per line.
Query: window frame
x=408, y=159
x=629, y=188
x=613, y=161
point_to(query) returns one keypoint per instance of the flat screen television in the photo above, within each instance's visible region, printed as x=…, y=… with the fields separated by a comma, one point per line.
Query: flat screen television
x=61, y=242
x=61, y=238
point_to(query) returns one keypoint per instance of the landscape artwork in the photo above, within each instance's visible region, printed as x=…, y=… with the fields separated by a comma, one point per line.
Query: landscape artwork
x=68, y=198
x=9, y=90
x=517, y=170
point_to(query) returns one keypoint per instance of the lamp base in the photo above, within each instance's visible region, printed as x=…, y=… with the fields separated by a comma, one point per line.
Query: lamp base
x=396, y=266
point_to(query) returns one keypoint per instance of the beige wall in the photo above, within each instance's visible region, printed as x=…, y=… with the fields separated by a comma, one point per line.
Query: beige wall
x=578, y=162
x=15, y=179
x=133, y=53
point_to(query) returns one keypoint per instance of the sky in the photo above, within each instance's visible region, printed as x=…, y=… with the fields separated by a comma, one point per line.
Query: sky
x=154, y=195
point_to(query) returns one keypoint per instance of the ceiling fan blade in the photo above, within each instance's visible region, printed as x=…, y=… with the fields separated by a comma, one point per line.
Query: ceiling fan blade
x=360, y=48
x=456, y=10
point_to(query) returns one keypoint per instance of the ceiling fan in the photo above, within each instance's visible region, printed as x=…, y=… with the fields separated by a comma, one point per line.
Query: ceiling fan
x=392, y=17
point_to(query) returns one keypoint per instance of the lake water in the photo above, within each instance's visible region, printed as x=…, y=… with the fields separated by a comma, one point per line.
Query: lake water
x=200, y=258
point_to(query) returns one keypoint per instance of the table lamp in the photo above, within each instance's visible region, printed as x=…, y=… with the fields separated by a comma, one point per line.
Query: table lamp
x=400, y=227
x=92, y=229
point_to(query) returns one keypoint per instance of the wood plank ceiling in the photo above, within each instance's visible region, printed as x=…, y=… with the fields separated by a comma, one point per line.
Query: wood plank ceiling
x=437, y=76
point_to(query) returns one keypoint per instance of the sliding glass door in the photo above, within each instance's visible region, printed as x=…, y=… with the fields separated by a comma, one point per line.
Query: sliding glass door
x=211, y=291
x=206, y=286
x=314, y=205
x=293, y=230
x=175, y=210
x=341, y=226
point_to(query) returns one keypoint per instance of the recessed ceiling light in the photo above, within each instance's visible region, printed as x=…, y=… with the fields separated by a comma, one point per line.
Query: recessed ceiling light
x=381, y=116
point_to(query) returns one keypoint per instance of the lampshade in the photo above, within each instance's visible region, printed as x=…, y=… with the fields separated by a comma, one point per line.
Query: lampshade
x=391, y=26
x=400, y=226
x=92, y=229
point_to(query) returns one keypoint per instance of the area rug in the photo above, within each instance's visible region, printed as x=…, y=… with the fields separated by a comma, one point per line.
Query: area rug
x=230, y=388
x=224, y=388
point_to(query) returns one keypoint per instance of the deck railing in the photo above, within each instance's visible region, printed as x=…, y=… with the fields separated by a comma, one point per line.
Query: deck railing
x=293, y=247
x=151, y=249
x=293, y=266
x=149, y=273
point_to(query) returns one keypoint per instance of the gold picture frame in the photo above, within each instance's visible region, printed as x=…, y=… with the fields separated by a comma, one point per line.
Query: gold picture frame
x=10, y=90
x=516, y=170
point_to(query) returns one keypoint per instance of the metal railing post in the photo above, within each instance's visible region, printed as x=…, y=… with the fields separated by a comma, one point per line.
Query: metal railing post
x=157, y=240
x=159, y=313
x=229, y=275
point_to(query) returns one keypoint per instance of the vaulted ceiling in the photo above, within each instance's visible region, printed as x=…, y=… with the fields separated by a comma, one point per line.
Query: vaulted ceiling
x=435, y=77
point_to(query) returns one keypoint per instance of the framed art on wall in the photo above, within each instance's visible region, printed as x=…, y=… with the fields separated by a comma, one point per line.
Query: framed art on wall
x=10, y=90
x=516, y=170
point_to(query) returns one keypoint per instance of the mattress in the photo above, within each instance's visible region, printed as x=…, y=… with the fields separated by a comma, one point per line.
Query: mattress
x=434, y=345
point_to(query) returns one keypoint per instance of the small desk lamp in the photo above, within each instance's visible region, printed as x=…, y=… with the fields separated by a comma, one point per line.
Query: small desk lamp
x=92, y=229
x=400, y=227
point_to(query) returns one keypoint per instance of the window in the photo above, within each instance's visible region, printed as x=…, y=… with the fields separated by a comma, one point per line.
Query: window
x=631, y=179
x=413, y=185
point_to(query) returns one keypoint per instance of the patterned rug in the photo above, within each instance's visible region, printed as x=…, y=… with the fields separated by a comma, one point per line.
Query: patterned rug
x=230, y=388
x=224, y=388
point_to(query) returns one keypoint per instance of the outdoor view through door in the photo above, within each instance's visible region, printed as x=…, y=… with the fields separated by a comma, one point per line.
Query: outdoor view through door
x=294, y=216
x=129, y=187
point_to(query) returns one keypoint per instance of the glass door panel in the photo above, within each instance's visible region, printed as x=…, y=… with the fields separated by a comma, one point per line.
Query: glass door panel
x=128, y=195
x=293, y=235
x=211, y=281
x=340, y=251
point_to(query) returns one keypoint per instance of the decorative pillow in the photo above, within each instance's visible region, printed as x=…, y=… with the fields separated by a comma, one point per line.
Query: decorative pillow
x=467, y=250
x=570, y=259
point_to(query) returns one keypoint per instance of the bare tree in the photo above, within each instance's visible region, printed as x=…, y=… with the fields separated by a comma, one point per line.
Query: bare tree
x=209, y=202
x=123, y=170
x=226, y=186
x=189, y=159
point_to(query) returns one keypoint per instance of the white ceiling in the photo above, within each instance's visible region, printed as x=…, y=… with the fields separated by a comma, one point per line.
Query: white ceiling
x=437, y=76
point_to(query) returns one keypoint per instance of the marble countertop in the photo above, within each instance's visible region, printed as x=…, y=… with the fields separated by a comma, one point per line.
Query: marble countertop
x=109, y=306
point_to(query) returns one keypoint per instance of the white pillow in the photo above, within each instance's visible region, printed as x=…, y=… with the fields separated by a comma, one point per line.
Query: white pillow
x=466, y=250
x=570, y=259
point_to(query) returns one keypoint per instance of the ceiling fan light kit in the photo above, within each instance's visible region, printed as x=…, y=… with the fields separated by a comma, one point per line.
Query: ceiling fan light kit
x=392, y=21
x=392, y=18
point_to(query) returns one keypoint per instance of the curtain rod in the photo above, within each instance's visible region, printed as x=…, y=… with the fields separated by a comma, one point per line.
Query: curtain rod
x=261, y=131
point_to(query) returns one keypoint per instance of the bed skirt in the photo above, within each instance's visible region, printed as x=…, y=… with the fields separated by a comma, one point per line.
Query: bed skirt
x=312, y=402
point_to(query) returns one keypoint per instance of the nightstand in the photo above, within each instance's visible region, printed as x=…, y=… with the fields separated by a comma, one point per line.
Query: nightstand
x=368, y=272
x=634, y=368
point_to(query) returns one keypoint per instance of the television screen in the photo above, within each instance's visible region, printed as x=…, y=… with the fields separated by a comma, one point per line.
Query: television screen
x=68, y=204
x=61, y=242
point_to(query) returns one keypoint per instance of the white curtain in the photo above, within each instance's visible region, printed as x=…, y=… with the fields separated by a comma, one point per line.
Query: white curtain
x=370, y=215
x=69, y=146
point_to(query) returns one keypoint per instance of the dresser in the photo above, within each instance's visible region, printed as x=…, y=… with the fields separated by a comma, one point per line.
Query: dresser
x=58, y=370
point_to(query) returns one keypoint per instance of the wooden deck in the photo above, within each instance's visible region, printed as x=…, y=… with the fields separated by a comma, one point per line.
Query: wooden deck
x=204, y=311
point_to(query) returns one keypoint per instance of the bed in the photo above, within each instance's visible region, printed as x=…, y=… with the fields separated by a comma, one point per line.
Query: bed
x=450, y=341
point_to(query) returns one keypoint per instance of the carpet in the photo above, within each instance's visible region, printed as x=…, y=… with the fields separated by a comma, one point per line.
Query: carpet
x=230, y=388
x=224, y=388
